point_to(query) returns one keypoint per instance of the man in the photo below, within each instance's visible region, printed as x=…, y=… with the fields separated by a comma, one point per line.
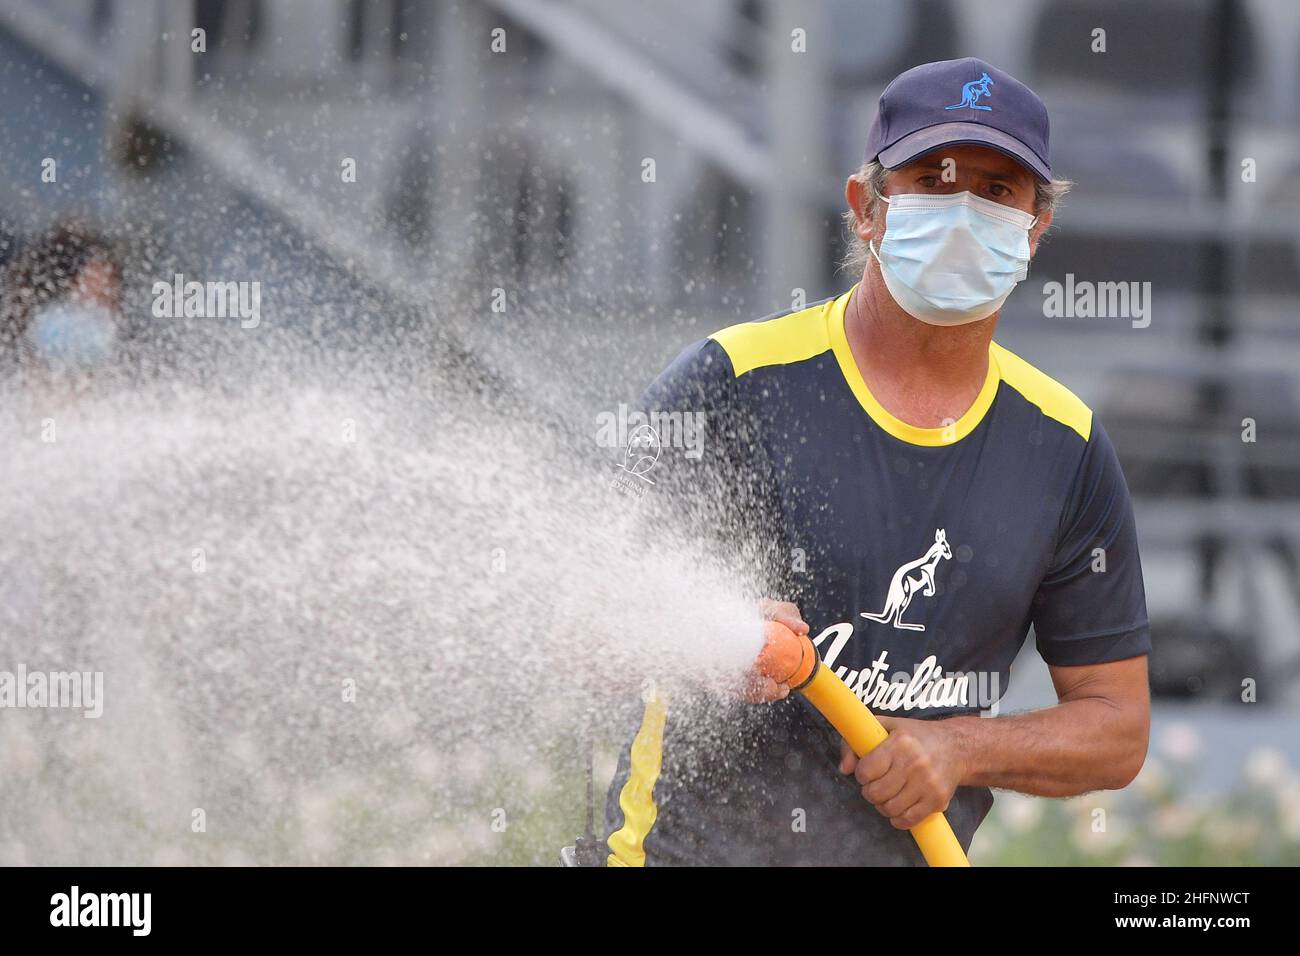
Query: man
x=919, y=497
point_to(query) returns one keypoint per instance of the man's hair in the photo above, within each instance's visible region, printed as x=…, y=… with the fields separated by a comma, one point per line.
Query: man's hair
x=872, y=176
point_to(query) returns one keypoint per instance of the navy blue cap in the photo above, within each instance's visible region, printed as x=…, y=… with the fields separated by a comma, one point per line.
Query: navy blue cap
x=959, y=101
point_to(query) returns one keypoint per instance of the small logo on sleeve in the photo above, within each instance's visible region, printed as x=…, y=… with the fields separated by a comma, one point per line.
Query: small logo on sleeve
x=643, y=449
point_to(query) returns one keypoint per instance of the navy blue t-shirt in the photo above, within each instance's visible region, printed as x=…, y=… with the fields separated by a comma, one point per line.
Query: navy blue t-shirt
x=920, y=558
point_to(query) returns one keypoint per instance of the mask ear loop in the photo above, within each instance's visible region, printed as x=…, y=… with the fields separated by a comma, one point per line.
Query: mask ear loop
x=870, y=248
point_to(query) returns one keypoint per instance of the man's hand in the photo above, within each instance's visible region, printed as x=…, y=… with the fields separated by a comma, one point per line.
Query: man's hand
x=912, y=774
x=759, y=688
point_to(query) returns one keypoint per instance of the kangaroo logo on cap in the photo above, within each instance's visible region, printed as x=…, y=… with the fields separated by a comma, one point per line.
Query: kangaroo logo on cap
x=971, y=92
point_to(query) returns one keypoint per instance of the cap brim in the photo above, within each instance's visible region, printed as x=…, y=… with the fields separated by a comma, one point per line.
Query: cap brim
x=952, y=134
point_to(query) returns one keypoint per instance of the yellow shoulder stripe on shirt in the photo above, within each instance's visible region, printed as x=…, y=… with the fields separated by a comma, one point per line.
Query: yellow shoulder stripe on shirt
x=781, y=341
x=1053, y=399
x=801, y=335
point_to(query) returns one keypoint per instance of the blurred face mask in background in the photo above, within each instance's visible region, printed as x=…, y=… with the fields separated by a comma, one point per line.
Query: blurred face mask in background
x=73, y=336
x=952, y=259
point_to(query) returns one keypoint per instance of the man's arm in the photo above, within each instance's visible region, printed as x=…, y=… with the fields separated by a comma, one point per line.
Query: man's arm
x=1094, y=739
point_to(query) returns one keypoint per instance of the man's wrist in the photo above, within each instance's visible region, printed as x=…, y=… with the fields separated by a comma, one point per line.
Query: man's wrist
x=967, y=737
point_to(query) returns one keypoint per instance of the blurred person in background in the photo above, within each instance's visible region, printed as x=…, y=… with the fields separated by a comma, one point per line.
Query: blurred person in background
x=60, y=323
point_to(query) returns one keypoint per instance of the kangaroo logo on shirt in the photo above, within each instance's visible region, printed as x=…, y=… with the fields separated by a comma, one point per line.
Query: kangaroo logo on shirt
x=914, y=576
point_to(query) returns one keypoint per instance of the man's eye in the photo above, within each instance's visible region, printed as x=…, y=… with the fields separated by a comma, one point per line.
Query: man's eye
x=999, y=191
x=929, y=182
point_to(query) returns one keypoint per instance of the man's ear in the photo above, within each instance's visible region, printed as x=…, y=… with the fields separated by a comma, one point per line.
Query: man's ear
x=855, y=194
x=1036, y=233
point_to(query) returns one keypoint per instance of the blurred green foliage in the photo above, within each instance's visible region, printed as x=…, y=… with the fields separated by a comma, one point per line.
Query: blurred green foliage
x=1162, y=819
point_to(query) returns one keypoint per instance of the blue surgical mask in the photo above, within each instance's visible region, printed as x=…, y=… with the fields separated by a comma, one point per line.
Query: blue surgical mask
x=952, y=259
x=73, y=336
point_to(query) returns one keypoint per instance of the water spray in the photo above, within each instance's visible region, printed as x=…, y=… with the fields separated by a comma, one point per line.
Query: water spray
x=790, y=658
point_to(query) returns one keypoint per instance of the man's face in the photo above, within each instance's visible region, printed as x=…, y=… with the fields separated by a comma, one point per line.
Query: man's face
x=979, y=170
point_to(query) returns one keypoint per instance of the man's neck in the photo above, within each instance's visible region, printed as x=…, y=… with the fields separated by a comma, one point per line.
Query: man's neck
x=925, y=375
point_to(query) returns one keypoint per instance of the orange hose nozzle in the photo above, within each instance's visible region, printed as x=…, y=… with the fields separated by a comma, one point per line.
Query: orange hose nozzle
x=786, y=657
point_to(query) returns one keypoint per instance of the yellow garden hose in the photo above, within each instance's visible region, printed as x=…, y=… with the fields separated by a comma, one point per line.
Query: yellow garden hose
x=789, y=658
